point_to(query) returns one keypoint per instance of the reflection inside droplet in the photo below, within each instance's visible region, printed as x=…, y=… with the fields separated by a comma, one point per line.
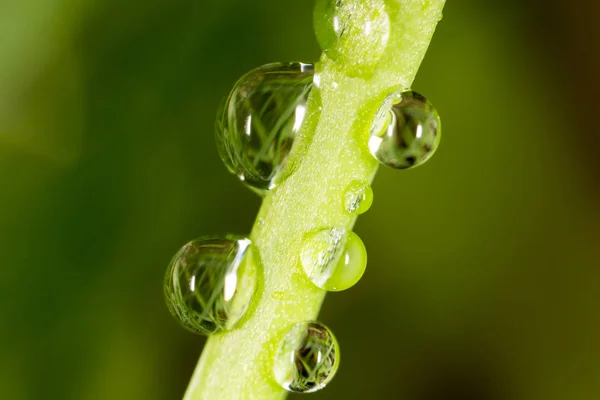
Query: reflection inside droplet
x=307, y=358
x=258, y=124
x=333, y=259
x=210, y=283
x=405, y=132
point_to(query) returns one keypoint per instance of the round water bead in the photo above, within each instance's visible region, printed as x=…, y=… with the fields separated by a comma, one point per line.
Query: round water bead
x=257, y=125
x=307, y=358
x=210, y=283
x=358, y=197
x=334, y=259
x=354, y=32
x=405, y=132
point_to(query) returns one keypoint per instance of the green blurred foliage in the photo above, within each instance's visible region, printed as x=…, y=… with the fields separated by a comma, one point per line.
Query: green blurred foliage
x=483, y=272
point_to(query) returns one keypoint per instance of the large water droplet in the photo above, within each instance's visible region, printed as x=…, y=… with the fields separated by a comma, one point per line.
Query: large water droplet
x=358, y=197
x=258, y=123
x=307, y=358
x=353, y=32
x=334, y=259
x=406, y=131
x=210, y=283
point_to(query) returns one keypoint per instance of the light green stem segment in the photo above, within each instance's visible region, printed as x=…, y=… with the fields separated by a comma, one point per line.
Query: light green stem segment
x=330, y=153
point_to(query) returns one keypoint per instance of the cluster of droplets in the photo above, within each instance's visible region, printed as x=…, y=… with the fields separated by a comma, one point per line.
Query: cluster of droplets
x=211, y=282
x=260, y=121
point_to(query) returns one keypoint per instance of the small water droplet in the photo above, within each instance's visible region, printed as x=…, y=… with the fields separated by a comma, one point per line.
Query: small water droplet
x=354, y=32
x=334, y=259
x=210, y=282
x=358, y=197
x=406, y=131
x=278, y=295
x=258, y=124
x=307, y=358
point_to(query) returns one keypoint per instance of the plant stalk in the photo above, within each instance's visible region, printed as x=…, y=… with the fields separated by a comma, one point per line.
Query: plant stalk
x=331, y=151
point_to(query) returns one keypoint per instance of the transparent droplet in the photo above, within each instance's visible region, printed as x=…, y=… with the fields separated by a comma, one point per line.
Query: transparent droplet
x=358, y=197
x=278, y=295
x=406, y=131
x=307, y=358
x=210, y=283
x=334, y=259
x=354, y=32
x=257, y=125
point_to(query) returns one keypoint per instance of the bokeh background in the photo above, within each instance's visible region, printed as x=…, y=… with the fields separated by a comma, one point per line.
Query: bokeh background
x=483, y=280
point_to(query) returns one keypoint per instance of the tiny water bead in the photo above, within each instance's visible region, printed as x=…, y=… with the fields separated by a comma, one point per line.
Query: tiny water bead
x=210, y=282
x=358, y=197
x=334, y=259
x=354, y=32
x=406, y=131
x=257, y=125
x=307, y=358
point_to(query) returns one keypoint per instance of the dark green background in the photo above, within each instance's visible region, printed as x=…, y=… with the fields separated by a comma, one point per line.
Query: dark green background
x=484, y=266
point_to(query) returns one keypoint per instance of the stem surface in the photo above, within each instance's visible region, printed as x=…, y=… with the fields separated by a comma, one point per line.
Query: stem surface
x=330, y=152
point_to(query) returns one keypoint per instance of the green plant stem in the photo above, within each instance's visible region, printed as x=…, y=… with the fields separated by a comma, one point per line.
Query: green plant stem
x=331, y=152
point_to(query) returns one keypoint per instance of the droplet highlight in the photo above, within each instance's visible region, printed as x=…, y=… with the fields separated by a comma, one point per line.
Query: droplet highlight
x=307, y=358
x=210, y=283
x=405, y=132
x=257, y=126
x=358, y=197
x=354, y=32
x=333, y=259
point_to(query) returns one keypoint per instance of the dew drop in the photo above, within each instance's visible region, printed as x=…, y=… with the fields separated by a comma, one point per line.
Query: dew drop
x=354, y=32
x=257, y=125
x=278, y=295
x=358, y=197
x=334, y=259
x=307, y=358
x=406, y=131
x=210, y=282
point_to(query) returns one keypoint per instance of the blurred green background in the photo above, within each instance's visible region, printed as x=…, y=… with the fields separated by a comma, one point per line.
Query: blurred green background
x=484, y=265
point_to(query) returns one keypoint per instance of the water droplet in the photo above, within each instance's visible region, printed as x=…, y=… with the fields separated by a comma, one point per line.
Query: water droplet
x=334, y=259
x=278, y=295
x=258, y=123
x=210, y=283
x=307, y=358
x=406, y=131
x=353, y=32
x=358, y=197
